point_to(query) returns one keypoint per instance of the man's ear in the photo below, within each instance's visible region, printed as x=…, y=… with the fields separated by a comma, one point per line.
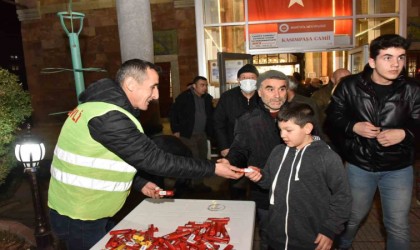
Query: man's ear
x=308, y=127
x=129, y=83
x=372, y=63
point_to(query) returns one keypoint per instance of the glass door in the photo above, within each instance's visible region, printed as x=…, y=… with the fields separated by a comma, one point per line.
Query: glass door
x=358, y=58
x=229, y=65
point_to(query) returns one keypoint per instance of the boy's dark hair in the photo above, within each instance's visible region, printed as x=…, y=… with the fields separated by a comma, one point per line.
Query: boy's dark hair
x=387, y=41
x=135, y=68
x=299, y=113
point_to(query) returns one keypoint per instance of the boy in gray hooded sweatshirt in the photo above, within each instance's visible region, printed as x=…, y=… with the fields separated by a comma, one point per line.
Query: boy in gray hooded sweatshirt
x=310, y=198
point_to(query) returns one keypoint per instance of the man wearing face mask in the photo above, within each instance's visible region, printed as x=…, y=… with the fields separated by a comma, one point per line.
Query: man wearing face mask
x=234, y=103
x=231, y=105
x=256, y=134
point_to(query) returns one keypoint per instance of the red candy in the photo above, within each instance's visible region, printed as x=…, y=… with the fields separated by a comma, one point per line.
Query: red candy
x=191, y=236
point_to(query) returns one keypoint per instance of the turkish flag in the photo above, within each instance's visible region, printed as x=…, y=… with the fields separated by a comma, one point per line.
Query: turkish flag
x=262, y=10
x=276, y=10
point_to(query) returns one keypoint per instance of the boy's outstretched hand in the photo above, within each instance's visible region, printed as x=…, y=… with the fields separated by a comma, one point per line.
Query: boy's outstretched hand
x=254, y=175
x=324, y=243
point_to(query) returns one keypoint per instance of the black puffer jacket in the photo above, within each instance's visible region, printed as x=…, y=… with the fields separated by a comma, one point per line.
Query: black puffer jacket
x=119, y=134
x=354, y=100
x=256, y=134
x=231, y=105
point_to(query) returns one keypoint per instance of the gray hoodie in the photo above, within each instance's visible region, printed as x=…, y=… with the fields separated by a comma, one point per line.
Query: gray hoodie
x=309, y=194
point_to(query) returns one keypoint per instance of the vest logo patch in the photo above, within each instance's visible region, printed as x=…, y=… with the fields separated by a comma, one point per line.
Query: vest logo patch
x=75, y=114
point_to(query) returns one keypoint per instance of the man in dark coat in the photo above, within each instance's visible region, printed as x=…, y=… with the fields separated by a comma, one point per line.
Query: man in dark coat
x=323, y=95
x=191, y=120
x=234, y=103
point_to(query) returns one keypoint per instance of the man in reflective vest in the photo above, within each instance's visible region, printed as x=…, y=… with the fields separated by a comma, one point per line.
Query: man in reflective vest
x=100, y=148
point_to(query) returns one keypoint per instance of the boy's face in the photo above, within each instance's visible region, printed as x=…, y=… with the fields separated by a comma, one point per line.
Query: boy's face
x=294, y=135
x=388, y=65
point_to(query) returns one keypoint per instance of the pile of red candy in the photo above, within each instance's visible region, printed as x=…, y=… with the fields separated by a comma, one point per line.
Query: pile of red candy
x=193, y=236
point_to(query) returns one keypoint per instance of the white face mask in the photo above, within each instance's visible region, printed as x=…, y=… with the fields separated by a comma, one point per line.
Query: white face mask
x=248, y=85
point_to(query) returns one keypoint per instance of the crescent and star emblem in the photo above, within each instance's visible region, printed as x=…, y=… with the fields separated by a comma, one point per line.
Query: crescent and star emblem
x=300, y=2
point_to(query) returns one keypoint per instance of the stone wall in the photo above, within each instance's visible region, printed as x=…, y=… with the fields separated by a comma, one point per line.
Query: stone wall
x=413, y=8
x=46, y=45
x=166, y=17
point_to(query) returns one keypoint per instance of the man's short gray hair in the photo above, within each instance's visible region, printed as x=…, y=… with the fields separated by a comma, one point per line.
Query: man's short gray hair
x=135, y=68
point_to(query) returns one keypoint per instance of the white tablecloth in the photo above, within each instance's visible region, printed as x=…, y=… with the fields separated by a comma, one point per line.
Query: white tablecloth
x=168, y=214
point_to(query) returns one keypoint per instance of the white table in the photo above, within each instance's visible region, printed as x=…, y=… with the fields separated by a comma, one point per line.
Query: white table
x=168, y=214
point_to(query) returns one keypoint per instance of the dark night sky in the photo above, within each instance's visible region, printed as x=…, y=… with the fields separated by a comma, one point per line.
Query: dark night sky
x=11, y=41
x=9, y=23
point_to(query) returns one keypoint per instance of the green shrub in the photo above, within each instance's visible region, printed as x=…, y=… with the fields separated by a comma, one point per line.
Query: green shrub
x=15, y=107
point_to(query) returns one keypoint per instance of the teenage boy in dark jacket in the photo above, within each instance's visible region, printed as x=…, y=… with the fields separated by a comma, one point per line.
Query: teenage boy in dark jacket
x=374, y=111
x=191, y=119
x=310, y=198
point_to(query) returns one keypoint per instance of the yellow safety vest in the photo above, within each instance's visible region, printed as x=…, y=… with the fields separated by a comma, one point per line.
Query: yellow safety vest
x=88, y=182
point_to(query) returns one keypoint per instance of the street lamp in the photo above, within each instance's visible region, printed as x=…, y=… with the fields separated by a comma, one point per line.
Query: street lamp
x=30, y=151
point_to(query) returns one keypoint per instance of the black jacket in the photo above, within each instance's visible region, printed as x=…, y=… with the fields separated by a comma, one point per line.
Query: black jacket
x=311, y=195
x=231, y=105
x=182, y=114
x=120, y=135
x=256, y=134
x=354, y=100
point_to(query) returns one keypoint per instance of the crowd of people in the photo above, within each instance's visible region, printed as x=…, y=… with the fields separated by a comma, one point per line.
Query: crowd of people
x=315, y=155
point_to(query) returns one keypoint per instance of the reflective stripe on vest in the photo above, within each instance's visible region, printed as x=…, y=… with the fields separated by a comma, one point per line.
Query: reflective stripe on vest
x=90, y=162
x=88, y=181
